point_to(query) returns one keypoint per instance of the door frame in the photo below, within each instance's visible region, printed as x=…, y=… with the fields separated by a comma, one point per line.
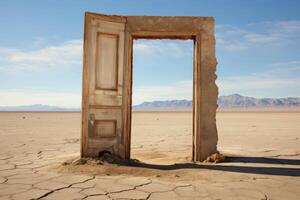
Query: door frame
x=205, y=91
x=181, y=35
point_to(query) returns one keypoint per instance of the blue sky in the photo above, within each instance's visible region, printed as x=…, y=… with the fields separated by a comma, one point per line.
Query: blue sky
x=258, y=49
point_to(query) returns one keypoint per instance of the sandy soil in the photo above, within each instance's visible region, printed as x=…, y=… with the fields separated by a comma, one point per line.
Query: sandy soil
x=166, y=137
x=262, y=148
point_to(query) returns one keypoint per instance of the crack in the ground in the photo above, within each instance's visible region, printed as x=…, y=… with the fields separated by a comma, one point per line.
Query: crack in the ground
x=5, y=180
x=266, y=197
x=29, y=163
x=125, y=190
x=14, y=167
x=6, y=158
x=134, y=187
x=92, y=195
x=173, y=189
x=178, y=193
x=52, y=191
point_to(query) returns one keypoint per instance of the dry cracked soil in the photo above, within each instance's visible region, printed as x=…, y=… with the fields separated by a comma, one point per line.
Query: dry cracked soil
x=262, y=152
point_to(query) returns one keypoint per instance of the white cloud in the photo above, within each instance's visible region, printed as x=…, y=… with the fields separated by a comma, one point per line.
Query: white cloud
x=67, y=54
x=239, y=38
x=255, y=82
x=14, y=63
x=260, y=38
x=167, y=47
x=30, y=97
x=286, y=26
x=290, y=65
x=177, y=90
x=283, y=80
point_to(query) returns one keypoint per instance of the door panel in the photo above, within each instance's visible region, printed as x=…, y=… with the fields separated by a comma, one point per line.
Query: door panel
x=107, y=61
x=104, y=60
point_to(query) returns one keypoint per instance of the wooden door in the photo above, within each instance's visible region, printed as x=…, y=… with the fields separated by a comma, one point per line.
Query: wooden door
x=102, y=98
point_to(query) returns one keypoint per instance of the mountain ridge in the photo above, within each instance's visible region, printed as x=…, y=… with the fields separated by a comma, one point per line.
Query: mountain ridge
x=37, y=108
x=224, y=102
x=229, y=101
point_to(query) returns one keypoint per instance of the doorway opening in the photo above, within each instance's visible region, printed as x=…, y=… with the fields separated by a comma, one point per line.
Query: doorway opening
x=107, y=79
x=162, y=101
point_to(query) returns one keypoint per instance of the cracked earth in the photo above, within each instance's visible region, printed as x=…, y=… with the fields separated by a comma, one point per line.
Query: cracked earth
x=262, y=149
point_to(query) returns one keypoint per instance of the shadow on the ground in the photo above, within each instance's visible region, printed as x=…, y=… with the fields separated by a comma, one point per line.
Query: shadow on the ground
x=280, y=171
x=263, y=160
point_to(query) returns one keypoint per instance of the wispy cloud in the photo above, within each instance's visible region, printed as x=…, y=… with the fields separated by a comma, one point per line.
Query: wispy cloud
x=282, y=80
x=281, y=76
x=290, y=65
x=30, y=97
x=268, y=33
x=158, y=47
x=67, y=54
x=255, y=82
x=177, y=90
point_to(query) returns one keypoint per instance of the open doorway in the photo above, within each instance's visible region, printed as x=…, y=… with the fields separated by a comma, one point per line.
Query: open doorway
x=107, y=79
x=162, y=93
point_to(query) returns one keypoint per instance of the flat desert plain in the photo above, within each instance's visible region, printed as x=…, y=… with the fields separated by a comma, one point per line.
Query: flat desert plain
x=262, y=149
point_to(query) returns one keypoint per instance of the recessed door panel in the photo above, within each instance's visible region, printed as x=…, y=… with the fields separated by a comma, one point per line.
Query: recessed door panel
x=107, y=61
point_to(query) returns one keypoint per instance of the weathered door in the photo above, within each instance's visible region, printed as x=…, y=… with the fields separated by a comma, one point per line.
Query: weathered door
x=103, y=85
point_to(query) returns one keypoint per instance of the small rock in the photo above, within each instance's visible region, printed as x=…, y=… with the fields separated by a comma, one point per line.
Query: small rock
x=107, y=157
x=65, y=163
x=215, y=158
x=94, y=162
x=80, y=161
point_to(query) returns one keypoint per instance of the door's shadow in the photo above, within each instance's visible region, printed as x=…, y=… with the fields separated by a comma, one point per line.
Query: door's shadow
x=263, y=160
x=280, y=171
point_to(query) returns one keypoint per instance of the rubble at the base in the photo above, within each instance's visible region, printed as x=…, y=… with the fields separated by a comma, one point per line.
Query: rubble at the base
x=215, y=158
x=104, y=158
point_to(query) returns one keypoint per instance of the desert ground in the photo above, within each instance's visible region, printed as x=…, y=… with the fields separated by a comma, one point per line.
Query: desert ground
x=262, y=152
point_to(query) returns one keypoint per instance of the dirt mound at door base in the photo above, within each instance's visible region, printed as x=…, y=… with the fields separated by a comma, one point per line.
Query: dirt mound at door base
x=104, y=158
x=215, y=158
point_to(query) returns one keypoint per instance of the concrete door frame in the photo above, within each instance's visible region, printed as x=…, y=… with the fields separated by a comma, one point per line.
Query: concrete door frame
x=205, y=92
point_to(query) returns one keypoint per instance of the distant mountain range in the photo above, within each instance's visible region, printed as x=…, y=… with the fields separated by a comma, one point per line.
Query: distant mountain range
x=224, y=102
x=230, y=101
x=169, y=104
x=37, y=108
x=238, y=101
